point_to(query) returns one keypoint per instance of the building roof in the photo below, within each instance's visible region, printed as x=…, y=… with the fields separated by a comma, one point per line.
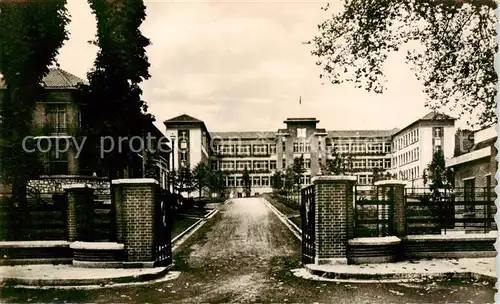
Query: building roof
x=244, y=134
x=362, y=133
x=184, y=118
x=436, y=116
x=57, y=78
x=431, y=116
x=301, y=119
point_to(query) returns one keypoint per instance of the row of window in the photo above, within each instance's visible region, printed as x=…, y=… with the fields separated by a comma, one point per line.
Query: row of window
x=407, y=157
x=409, y=174
x=371, y=163
x=241, y=165
x=257, y=181
x=246, y=149
x=408, y=139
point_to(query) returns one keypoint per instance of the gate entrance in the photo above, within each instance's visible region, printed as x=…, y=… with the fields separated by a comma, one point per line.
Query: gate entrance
x=164, y=218
x=374, y=213
x=307, y=213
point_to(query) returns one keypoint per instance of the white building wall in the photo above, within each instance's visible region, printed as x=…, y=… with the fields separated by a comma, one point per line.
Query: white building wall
x=426, y=151
x=449, y=142
x=195, y=147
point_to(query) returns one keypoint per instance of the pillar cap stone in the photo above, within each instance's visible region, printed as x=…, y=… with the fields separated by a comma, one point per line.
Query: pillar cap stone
x=347, y=178
x=135, y=181
x=391, y=182
x=76, y=186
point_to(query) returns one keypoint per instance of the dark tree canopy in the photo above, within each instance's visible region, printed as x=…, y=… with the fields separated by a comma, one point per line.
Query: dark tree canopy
x=451, y=48
x=438, y=175
x=31, y=34
x=113, y=96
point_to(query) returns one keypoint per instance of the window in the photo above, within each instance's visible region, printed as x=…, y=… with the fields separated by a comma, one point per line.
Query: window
x=362, y=179
x=272, y=165
x=387, y=163
x=256, y=181
x=239, y=181
x=56, y=161
x=227, y=165
x=284, y=163
x=301, y=133
x=307, y=147
x=272, y=149
x=260, y=149
x=437, y=131
x=243, y=150
x=230, y=181
x=469, y=187
x=295, y=147
x=283, y=146
x=307, y=163
x=57, y=119
x=307, y=179
x=387, y=148
x=359, y=163
x=227, y=150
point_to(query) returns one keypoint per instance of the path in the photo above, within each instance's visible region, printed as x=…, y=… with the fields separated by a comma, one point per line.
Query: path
x=246, y=256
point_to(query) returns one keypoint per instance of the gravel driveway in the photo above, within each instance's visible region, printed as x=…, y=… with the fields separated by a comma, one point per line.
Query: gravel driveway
x=246, y=255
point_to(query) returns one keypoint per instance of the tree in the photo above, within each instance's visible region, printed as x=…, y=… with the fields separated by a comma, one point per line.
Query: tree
x=31, y=34
x=437, y=174
x=290, y=178
x=298, y=169
x=185, y=180
x=217, y=181
x=339, y=164
x=200, y=176
x=454, y=59
x=277, y=181
x=114, y=107
x=247, y=182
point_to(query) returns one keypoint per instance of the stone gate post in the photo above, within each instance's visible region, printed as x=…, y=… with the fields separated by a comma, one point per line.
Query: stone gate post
x=334, y=196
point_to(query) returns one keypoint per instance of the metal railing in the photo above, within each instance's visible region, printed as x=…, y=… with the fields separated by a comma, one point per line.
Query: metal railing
x=469, y=210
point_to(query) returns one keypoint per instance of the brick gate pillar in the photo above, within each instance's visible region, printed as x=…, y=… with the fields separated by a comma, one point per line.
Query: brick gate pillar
x=397, y=188
x=135, y=201
x=334, y=198
x=79, y=213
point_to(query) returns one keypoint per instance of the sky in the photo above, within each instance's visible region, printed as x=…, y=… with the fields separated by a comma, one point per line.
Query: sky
x=242, y=66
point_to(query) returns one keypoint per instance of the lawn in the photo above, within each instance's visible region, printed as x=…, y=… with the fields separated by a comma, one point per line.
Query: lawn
x=290, y=210
x=182, y=224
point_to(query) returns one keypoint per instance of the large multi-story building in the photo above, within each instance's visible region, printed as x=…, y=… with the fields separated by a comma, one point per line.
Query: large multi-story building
x=404, y=153
x=414, y=145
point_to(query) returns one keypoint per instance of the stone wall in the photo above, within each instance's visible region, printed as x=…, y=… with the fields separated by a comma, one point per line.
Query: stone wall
x=46, y=186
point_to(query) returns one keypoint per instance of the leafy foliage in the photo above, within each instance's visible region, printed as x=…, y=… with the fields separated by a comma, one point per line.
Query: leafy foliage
x=339, y=164
x=454, y=59
x=277, y=181
x=438, y=176
x=247, y=182
x=114, y=107
x=200, y=176
x=217, y=181
x=31, y=34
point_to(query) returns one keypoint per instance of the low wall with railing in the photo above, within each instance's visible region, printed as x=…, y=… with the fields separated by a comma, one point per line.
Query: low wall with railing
x=394, y=224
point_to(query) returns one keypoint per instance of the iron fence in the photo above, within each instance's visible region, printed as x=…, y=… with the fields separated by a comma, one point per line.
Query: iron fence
x=374, y=214
x=307, y=213
x=469, y=210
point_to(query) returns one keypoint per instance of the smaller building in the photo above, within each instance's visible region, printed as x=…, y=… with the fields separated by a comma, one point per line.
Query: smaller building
x=476, y=166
